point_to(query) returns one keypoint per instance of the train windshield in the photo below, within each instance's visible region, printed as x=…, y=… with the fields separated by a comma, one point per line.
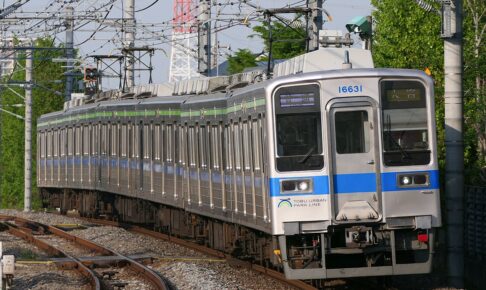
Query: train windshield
x=298, y=128
x=405, y=135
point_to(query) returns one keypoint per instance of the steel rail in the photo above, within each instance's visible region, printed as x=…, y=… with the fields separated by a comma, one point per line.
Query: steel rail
x=211, y=252
x=73, y=263
x=135, y=266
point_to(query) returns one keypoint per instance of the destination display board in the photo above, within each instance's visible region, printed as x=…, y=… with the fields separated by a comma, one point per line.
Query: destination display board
x=404, y=94
x=297, y=100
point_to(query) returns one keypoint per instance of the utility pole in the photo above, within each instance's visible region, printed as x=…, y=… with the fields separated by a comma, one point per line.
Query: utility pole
x=129, y=30
x=69, y=52
x=204, y=38
x=28, y=132
x=451, y=32
x=316, y=16
x=454, y=171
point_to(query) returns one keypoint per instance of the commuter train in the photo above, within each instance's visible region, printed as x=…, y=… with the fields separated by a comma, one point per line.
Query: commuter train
x=321, y=173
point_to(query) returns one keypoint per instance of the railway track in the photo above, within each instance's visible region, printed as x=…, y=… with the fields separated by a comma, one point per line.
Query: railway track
x=350, y=283
x=72, y=252
x=200, y=248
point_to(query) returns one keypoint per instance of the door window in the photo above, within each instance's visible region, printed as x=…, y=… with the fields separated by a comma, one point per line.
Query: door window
x=352, y=135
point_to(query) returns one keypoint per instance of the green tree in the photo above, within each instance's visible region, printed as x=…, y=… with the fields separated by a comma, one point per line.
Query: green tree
x=12, y=129
x=288, y=40
x=475, y=85
x=242, y=59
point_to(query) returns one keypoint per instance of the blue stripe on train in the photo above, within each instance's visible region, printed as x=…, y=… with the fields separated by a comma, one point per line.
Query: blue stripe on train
x=343, y=183
x=358, y=182
x=321, y=186
x=389, y=180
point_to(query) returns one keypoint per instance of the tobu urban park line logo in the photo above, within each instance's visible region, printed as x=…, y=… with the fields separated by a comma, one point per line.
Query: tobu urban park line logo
x=285, y=203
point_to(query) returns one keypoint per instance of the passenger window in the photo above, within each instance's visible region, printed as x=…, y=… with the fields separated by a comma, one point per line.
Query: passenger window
x=180, y=146
x=183, y=147
x=146, y=144
x=62, y=143
x=42, y=154
x=163, y=140
x=94, y=139
x=156, y=142
x=203, y=150
x=70, y=141
x=256, y=140
x=237, y=145
x=135, y=141
x=352, y=132
x=246, y=146
x=228, y=146
x=192, y=147
x=209, y=147
x=175, y=142
x=77, y=140
x=114, y=140
x=169, y=146
x=59, y=142
x=130, y=141
x=85, y=140
x=103, y=139
x=124, y=141
x=48, y=144
x=216, y=147
x=54, y=143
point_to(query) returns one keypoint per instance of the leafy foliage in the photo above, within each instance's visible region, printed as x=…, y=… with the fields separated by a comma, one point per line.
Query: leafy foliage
x=287, y=42
x=12, y=129
x=242, y=59
x=475, y=86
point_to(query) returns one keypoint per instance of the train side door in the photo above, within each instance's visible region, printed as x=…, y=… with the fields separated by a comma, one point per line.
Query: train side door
x=354, y=162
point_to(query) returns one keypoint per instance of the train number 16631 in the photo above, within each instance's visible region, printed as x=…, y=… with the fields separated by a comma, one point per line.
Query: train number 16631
x=350, y=89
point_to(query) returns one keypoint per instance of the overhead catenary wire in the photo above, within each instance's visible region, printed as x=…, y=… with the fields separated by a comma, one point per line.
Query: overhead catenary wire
x=93, y=17
x=152, y=4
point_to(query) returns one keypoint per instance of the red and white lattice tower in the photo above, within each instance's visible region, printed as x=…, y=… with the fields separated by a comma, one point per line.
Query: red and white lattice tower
x=183, y=57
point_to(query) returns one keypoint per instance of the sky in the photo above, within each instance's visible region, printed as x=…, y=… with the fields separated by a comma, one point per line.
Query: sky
x=155, y=28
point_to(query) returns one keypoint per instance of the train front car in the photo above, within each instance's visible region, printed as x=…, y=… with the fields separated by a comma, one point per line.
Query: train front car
x=354, y=173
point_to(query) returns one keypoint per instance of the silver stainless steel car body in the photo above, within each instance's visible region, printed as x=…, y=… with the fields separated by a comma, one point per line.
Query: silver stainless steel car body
x=222, y=156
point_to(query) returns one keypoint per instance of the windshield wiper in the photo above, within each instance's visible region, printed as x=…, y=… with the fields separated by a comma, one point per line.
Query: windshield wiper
x=307, y=155
x=404, y=153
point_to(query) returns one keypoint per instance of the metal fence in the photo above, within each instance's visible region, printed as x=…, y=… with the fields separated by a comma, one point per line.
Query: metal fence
x=475, y=237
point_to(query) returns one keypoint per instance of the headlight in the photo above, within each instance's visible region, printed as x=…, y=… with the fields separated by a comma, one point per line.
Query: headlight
x=296, y=186
x=413, y=180
x=406, y=180
x=420, y=179
x=303, y=186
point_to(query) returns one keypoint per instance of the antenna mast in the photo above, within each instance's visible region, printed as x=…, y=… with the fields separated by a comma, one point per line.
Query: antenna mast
x=183, y=58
